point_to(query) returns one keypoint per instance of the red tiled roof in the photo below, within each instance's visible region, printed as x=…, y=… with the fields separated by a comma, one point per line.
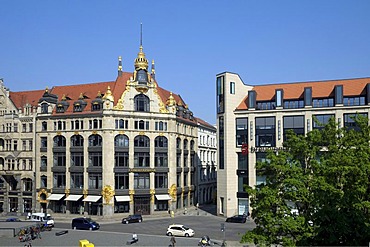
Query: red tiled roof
x=90, y=91
x=21, y=98
x=320, y=89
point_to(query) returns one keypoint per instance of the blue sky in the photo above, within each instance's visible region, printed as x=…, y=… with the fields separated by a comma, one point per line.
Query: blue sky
x=48, y=43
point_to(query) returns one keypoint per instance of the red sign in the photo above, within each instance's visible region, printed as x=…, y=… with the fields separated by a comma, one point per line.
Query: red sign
x=245, y=149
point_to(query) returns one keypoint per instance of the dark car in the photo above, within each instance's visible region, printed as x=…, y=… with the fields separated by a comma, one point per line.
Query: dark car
x=132, y=219
x=237, y=219
x=13, y=220
x=85, y=224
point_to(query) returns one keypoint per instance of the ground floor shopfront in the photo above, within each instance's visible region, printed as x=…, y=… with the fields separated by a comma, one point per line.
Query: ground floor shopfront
x=140, y=203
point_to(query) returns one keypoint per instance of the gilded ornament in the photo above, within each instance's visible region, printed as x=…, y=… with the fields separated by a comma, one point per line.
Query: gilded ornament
x=173, y=192
x=119, y=105
x=107, y=193
x=41, y=192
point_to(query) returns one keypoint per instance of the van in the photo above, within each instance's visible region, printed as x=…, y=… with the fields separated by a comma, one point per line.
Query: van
x=42, y=218
x=85, y=224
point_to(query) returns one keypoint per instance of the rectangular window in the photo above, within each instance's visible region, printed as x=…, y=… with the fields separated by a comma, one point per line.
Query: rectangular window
x=95, y=180
x=265, y=131
x=324, y=102
x=59, y=180
x=161, y=160
x=77, y=181
x=350, y=120
x=279, y=98
x=220, y=94
x=293, y=104
x=241, y=131
x=294, y=123
x=77, y=159
x=141, y=181
x=232, y=87
x=59, y=159
x=242, y=161
x=221, y=142
x=141, y=159
x=338, y=94
x=320, y=121
x=95, y=159
x=161, y=180
x=252, y=98
x=308, y=96
x=121, y=159
x=121, y=181
x=242, y=183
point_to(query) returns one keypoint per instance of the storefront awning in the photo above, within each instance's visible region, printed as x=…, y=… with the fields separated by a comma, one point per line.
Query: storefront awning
x=163, y=197
x=122, y=198
x=55, y=197
x=91, y=198
x=73, y=198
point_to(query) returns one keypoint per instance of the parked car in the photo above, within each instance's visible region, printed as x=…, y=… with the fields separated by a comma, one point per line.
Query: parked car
x=43, y=218
x=85, y=224
x=237, y=219
x=132, y=219
x=13, y=220
x=180, y=230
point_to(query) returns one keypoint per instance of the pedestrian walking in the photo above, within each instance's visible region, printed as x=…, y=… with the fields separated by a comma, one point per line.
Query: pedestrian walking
x=173, y=241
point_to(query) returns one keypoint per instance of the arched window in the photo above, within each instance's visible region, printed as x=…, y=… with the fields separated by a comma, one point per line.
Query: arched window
x=191, y=145
x=95, y=141
x=185, y=144
x=160, y=142
x=178, y=143
x=77, y=141
x=59, y=141
x=142, y=141
x=142, y=103
x=121, y=141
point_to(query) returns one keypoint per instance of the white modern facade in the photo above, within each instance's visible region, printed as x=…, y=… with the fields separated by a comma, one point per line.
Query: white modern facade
x=252, y=119
x=207, y=165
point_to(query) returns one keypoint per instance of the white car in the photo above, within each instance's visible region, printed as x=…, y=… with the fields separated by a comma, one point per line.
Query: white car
x=180, y=230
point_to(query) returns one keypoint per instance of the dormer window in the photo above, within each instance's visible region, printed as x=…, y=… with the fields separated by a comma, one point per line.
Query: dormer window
x=96, y=106
x=44, y=108
x=60, y=108
x=77, y=107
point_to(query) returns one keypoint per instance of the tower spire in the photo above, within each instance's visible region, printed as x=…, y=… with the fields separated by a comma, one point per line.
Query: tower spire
x=119, y=66
x=153, y=69
x=141, y=34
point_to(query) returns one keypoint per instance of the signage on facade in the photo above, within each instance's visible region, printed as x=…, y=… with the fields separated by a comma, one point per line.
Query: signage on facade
x=141, y=170
x=265, y=149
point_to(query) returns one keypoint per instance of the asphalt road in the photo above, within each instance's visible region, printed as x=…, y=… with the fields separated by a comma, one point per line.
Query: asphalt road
x=151, y=232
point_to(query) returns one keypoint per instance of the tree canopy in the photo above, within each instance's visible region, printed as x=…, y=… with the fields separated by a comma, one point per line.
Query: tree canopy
x=317, y=190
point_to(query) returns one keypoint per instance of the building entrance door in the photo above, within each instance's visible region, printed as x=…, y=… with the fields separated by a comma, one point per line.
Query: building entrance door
x=142, y=205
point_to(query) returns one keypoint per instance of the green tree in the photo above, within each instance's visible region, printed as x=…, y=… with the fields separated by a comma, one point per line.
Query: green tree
x=316, y=191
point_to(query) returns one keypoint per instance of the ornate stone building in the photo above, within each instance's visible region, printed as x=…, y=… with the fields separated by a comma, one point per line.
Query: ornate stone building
x=107, y=148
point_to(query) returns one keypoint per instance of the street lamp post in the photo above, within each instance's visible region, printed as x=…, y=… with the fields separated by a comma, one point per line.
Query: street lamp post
x=223, y=229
